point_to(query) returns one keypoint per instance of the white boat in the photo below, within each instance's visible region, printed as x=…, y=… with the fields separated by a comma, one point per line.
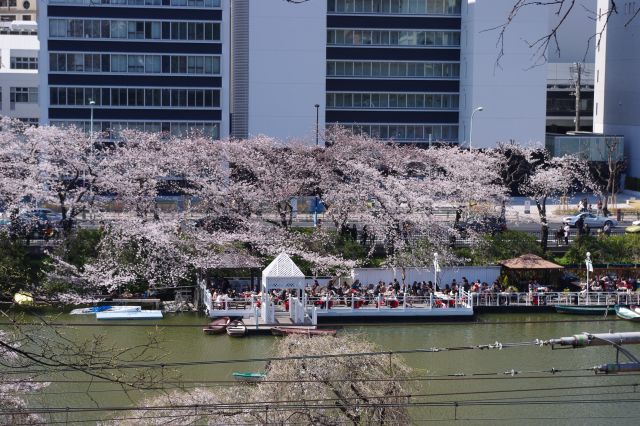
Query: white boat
x=126, y=315
x=105, y=308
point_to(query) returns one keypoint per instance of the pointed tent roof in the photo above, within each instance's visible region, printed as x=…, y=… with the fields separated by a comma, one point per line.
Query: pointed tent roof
x=282, y=267
x=529, y=261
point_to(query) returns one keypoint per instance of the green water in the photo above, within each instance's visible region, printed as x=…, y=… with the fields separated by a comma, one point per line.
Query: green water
x=561, y=398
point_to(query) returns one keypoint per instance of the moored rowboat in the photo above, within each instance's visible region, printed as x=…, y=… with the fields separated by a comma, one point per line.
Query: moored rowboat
x=249, y=377
x=105, y=308
x=631, y=313
x=217, y=326
x=285, y=331
x=126, y=315
x=236, y=328
x=585, y=309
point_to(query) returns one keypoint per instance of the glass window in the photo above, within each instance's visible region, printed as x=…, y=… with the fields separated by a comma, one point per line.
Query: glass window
x=153, y=64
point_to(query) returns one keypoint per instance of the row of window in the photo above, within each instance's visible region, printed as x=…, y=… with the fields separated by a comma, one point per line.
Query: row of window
x=392, y=69
x=145, y=64
x=128, y=97
x=392, y=38
x=437, y=101
x=177, y=128
x=136, y=30
x=24, y=63
x=405, y=7
x=406, y=132
x=183, y=3
x=23, y=95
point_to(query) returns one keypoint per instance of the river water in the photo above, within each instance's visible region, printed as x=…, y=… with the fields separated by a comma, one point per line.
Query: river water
x=485, y=395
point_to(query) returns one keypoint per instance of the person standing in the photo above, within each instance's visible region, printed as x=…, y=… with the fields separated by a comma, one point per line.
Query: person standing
x=606, y=229
x=567, y=231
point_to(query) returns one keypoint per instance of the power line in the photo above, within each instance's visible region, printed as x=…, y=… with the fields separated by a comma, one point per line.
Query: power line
x=439, y=394
x=304, y=404
x=448, y=420
x=496, y=345
x=505, y=375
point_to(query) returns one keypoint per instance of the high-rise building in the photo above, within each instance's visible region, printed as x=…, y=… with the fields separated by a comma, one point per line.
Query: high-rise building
x=154, y=65
x=617, y=93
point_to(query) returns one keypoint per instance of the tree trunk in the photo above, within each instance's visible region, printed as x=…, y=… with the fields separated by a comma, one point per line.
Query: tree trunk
x=544, y=225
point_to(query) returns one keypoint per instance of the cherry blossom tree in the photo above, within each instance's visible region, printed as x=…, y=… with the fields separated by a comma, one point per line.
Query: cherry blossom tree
x=545, y=177
x=50, y=165
x=310, y=386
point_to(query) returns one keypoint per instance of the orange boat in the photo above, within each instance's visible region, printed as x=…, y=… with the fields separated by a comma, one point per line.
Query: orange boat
x=217, y=326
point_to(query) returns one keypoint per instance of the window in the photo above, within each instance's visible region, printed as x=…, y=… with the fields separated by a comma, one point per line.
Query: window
x=24, y=63
x=153, y=64
x=412, y=101
x=27, y=95
x=393, y=69
x=393, y=38
x=135, y=63
x=148, y=64
x=404, y=7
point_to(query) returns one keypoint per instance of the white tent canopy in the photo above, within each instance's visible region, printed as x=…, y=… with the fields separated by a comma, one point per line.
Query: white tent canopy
x=282, y=273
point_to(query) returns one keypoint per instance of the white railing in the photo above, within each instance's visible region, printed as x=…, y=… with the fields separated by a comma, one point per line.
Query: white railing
x=555, y=298
x=403, y=302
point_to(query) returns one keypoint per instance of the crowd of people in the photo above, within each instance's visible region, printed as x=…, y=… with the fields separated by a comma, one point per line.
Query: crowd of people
x=343, y=292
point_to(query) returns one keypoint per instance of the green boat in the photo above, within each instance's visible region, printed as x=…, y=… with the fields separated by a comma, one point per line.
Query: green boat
x=631, y=313
x=585, y=309
x=249, y=377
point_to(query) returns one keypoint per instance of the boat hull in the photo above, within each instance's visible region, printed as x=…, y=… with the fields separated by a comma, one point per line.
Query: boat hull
x=129, y=315
x=236, y=329
x=585, y=309
x=95, y=309
x=285, y=331
x=629, y=313
x=217, y=326
x=248, y=377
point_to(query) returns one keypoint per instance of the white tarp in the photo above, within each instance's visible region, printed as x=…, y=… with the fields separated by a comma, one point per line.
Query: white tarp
x=446, y=275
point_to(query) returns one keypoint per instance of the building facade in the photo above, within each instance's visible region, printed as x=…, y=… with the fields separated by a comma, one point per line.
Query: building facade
x=617, y=93
x=19, y=92
x=153, y=65
x=562, y=83
x=18, y=10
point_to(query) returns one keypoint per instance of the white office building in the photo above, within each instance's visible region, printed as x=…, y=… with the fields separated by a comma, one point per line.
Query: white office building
x=617, y=92
x=19, y=93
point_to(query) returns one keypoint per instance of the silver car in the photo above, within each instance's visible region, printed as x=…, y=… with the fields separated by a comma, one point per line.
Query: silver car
x=591, y=220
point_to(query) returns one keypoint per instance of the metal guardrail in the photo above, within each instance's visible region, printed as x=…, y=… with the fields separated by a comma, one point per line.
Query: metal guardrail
x=598, y=298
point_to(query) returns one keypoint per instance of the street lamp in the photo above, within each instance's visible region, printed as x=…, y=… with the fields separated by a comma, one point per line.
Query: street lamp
x=315, y=197
x=436, y=269
x=471, y=125
x=317, y=121
x=91, y=105
x=589, y=266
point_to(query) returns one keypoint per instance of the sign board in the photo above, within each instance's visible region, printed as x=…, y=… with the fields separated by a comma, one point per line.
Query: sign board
x=527, y=207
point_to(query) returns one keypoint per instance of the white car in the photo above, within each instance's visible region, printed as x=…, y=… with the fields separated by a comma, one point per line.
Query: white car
x=635, y=223
x=590, y=219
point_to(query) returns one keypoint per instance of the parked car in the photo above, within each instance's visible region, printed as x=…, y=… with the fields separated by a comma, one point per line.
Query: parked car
x=591, y=220
x=635, y=223
x=43, y=215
